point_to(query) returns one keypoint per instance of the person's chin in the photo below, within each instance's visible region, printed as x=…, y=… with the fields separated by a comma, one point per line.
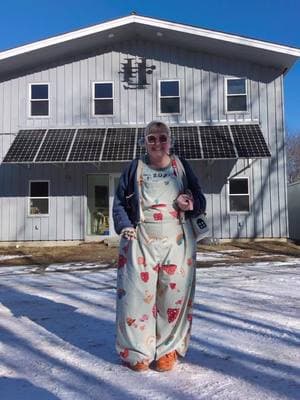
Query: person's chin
x=158, y=152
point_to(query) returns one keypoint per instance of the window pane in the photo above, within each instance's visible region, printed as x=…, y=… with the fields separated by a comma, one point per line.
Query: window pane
x=39, y=206
x=236, y=86
x=169, y=88
x=236, y=103
x=103, y=90
x=39, y=91
x=238, y=186
x=103, y=107
x=40, y=108
x=169, y=105
x=239, y=203
x=39, y=189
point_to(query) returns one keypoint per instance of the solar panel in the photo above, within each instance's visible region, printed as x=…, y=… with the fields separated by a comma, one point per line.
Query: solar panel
x=249, y=141
x=216, y=142
x=186, y=142
x=119, y=144
x=56, y=145
x=25, y=146
x=140, y=150
x=87, y=145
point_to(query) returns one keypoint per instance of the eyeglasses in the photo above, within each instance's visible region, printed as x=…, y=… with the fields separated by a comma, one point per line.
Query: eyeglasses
x=151, y=139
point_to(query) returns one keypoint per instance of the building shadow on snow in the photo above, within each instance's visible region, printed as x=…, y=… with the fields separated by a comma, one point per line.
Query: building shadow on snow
x=88, y=333
x=21, y=389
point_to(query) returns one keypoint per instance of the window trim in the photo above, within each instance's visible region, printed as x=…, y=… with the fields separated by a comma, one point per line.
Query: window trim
x=36, y=100
x=30, y=197
x=168, y=97
x=236, y=194
x=102, y=98
x=230, y=78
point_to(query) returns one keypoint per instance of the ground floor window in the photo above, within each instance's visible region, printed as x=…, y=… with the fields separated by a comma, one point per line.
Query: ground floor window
x=239, y=198
x=39, y=197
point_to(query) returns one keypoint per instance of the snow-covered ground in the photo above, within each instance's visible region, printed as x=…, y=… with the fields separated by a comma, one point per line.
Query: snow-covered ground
x=57, y=336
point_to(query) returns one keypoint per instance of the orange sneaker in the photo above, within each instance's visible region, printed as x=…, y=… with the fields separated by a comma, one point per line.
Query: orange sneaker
x=139, y=366
x=166, y=362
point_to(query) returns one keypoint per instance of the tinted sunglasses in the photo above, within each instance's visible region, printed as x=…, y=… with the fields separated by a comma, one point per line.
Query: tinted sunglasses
x=151, y=139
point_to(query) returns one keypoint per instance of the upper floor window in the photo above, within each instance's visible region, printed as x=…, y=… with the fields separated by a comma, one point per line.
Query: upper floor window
x=39, y=99
x=239, y=198
x=103, y=98
x=39, y=198
x=169, y=97
x=236, y=94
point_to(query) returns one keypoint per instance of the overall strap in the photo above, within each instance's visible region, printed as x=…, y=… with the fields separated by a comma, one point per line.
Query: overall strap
x=139, y=177
x=179, y=171
x=182, y=179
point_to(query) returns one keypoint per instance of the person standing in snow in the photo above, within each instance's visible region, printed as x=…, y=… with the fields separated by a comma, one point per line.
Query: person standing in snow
x=156, y=196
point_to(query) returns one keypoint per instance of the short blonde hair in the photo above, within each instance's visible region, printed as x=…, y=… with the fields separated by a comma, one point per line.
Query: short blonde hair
x=157, y=124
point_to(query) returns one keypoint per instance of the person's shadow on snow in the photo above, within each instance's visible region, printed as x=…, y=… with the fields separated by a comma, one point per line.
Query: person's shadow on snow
x=93, y=335
x=21, y=389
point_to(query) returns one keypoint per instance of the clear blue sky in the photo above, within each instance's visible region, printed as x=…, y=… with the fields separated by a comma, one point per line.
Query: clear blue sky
x=25, y=21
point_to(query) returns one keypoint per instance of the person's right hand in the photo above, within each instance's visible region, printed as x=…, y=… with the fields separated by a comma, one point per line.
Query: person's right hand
x=128, y=233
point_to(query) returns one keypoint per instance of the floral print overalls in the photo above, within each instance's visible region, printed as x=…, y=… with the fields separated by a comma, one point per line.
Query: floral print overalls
x=156, y=273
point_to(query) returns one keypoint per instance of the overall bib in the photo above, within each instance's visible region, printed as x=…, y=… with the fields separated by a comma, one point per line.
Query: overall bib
x=156, y=274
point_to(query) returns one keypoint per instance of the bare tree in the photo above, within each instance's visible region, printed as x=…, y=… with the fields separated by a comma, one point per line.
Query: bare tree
x=293, y=157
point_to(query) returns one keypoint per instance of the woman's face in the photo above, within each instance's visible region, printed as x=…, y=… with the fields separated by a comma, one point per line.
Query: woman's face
x=158, y=142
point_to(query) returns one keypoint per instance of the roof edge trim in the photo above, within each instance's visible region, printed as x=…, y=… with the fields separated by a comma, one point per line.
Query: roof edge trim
x=160, y=24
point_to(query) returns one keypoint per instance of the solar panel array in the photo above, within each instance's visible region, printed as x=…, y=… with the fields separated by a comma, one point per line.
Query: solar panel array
x=123, y=144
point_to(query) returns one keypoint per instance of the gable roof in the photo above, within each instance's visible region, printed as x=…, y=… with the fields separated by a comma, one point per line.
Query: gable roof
x=104, y=34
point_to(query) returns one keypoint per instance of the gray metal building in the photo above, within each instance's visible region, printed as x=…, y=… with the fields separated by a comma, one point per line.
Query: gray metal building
x=293, y=191
x=72, y=108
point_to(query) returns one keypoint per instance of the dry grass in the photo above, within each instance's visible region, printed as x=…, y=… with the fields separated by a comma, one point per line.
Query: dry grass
x=101, y=254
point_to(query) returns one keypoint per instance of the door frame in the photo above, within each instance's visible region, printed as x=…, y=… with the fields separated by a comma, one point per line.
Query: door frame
x=111, y=192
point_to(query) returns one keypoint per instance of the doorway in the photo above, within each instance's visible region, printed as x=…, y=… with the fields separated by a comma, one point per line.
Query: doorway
x=100, y=196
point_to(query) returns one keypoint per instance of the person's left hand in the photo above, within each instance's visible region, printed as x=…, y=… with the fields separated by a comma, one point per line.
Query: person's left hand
x=128, y=233
x=185, y=202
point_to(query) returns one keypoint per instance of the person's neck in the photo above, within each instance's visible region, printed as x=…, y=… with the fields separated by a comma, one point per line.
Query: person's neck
x=161, y=162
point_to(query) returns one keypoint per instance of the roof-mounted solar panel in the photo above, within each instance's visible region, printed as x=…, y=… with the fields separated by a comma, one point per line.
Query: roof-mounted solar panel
x=216, y=142
x=87, y=145
x=186, y=142
x=56, y=145
x=25, y=146
x=119, y=144
x=249, y=141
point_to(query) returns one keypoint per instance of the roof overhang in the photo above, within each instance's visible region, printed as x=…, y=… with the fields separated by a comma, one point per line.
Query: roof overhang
x=105, y=34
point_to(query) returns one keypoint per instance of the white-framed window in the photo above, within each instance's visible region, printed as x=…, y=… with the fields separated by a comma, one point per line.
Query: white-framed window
x=238, y=194
x=236, y=94
x=39, y=100
x=103, y=98
x=169, y=97
x=39, y=192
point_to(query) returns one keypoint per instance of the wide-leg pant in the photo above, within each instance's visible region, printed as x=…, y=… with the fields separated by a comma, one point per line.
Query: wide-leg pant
x=155, y=291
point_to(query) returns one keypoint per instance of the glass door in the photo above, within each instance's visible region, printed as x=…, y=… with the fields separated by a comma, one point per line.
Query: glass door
x=98, y=218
